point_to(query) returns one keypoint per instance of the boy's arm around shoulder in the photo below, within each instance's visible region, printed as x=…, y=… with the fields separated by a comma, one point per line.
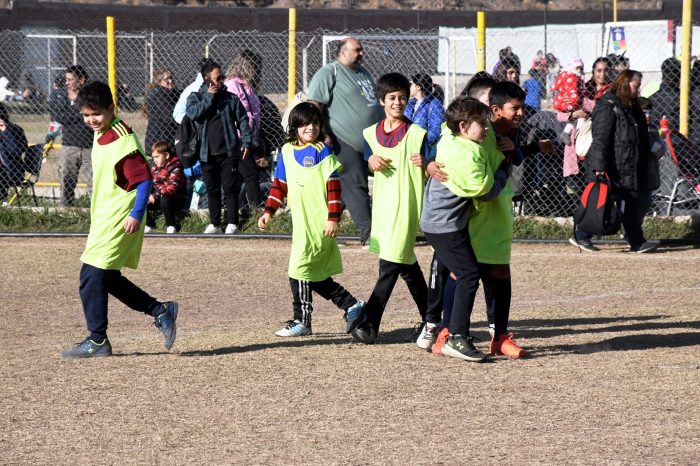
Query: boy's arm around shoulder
x=468, y=171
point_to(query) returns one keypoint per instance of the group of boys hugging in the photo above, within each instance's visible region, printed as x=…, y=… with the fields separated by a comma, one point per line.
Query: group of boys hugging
x=465, y=214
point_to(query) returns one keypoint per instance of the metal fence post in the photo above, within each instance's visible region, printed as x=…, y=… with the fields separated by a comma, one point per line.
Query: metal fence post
x=292, y=62
x=112, y=60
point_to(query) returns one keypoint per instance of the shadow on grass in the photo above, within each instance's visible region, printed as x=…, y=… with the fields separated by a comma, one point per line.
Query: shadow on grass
x=627, y=343
x=527, y=329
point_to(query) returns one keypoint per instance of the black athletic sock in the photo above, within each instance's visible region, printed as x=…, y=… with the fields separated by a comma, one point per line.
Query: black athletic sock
x=501, y=288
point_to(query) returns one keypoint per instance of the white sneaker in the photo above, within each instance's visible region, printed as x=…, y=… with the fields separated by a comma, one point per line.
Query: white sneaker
x=231, y=228
x=170, y=230
x=147, y=229
x=492, y=329
x=211, y=229
x=293, y=328
x=428, y=336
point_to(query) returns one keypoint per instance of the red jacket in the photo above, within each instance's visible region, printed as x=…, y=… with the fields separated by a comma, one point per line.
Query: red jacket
x=169, y=180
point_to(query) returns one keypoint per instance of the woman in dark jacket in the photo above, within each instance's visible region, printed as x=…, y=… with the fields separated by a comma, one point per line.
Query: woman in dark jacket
x=621, y=149
x=159, y=105
x=13, y=143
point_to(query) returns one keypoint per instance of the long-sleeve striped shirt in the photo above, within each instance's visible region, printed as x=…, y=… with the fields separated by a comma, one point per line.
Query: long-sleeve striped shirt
x=305, y=154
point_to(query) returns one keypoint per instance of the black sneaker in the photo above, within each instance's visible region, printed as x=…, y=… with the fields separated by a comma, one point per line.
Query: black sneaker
x=365, y=334
x=415, y=332
x=165, y=321
x=584, y=244
x=89, y=349
x=645, y=247
x=458, y=346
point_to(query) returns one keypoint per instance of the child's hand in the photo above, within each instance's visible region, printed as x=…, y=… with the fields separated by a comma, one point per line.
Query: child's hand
x=378, y=163
x=151, y=199
x=417, y=160
x=131, y=225
x=505, y=144
x=331, y=229
x=245, y=152
x=545, y=146
x=579, y=114
x=435, y=171
x=264, y=221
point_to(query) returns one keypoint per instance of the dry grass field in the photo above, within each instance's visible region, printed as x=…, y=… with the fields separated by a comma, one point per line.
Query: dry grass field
x=613, y=378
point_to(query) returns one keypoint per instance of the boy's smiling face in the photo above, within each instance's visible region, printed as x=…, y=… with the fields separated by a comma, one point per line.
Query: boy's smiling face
x=98, y=119
x=394, y=104
x=511, y=113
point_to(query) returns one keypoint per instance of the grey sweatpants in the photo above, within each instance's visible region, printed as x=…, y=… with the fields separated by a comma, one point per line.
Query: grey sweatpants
x=70, y=159
x=353, y=182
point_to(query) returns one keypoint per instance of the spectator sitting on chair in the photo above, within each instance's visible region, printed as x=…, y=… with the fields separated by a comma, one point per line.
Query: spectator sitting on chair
x=13, y=143
x=169, y=190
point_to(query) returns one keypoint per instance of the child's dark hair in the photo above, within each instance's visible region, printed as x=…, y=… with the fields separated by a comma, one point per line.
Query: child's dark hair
x=303, y=114
x=645, y=104
x=95, y=95
x=161, y=147
x=466, y=109
x=504, y=91
x=392, y=82
x=477, y=84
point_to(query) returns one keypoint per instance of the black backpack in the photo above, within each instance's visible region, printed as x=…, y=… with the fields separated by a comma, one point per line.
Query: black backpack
x=187, y=142
x=598, y=213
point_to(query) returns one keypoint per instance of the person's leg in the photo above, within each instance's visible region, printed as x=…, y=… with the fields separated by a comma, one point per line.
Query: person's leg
x=436, y=283
x=353, y=181
x=94, y=294
x=333, y=291
x=69, y=160
x=132, y=296
x=455, y=251
x=152, y=213
x=170, y=205
x=374, y=309
x=415, y=281
x=636, y=207
x=211, y=175
x=231, y=185
x=449, y=300
x=249, y=174
x=499, y=279
x=490, y=304
x=300, y=325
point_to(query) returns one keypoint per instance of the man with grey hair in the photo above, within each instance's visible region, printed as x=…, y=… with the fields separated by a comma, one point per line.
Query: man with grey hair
x=346, y=93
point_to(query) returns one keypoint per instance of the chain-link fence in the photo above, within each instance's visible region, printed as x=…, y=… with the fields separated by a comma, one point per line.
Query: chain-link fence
x=34, y=95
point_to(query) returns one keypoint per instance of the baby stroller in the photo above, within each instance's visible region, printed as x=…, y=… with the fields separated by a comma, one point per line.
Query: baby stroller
x=680, y=175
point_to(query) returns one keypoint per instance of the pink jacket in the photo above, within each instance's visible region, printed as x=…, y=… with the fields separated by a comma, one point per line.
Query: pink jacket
x=248, y=98
x=570, y=165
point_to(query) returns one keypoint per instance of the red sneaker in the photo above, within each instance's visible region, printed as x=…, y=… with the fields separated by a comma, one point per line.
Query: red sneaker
x=436, y=349
x=506, y=346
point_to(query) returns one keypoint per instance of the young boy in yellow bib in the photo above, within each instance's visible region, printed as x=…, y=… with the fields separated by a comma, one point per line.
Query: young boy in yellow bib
x=306, y=175
x=121, y=186
x=394, y=149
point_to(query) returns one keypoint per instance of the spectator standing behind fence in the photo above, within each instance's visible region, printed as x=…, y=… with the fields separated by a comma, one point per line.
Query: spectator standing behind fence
x=424, y=109
x=534, y=92
x=180, y=109
x=220, y=116
x=169, y=190
x=13, y=143
x=508, y=68
x=77, y=136
x=346, y=93
x=568, y=97
x=593, y=90
x=159, y=105
x=666, y=101
x=242, y=79
x=621, y=149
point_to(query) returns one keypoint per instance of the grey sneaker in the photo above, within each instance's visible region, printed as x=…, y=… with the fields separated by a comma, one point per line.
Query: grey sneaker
x=165, y=321
x=88, y=349
x=458, y=346
x=646, y=247
x=354, y=316
x=584, y=244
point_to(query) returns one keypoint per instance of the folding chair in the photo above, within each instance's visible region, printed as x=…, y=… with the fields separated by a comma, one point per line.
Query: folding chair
x=33, y=159
x=681, y=184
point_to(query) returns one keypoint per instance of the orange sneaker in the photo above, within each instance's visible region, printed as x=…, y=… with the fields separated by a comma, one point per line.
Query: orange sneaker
x=506, y=346
x=436, y=349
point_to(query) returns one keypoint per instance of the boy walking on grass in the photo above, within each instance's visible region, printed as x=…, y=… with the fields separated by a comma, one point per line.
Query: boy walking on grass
x=394, y=150
x=121, y=186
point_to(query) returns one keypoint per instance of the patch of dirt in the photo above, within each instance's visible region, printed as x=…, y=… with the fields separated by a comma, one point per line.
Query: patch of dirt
x=613, y=375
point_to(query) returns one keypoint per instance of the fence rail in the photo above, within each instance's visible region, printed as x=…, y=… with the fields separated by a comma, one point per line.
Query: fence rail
x=33, y=62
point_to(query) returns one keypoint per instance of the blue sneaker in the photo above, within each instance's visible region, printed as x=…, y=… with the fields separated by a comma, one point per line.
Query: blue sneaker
x=354, y=316
x=293, y=328
x=165, y=321
x=89, y=349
